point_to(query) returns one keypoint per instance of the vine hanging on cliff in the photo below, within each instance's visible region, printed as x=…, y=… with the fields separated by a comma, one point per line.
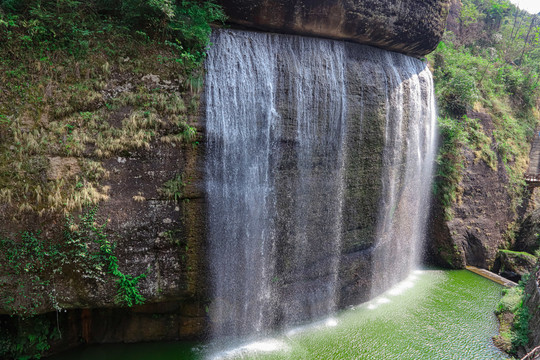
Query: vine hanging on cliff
x=87, y=231
x=35, y=261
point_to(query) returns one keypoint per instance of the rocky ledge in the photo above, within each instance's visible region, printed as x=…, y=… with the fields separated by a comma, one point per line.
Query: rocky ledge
x=412, y=27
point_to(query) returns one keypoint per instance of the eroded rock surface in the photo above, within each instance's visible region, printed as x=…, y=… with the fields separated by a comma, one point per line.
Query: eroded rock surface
x=528, y=239
x=533, y=303
x=344, y=135
x=513, y=265
x=411, y=27
x=482, y=214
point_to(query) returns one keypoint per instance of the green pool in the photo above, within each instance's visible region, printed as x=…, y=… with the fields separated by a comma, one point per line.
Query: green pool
x=433, y=314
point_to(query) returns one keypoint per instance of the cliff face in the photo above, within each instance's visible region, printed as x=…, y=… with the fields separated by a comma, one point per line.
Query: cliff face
x=411, y=27
x=533, y=304
x=153, y=230
x=163, y=234
x=481, y=215
x=374, y=197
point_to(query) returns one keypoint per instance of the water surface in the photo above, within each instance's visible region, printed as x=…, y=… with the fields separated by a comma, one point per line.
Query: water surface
x=433, y=314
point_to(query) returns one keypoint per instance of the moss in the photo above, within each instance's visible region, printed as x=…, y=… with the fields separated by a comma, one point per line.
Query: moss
x=173, y=189
x=460, y=88
x=363, y=174
x=523, y=254
x=33, y=262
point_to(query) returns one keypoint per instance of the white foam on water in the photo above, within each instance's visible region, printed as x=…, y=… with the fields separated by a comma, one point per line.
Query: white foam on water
x=401, y=288
x=330, y=322
x=375, y=303
x=261, y=346
x=397, y=290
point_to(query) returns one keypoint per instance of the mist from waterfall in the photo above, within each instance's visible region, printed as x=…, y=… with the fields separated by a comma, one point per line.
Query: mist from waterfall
x=281, y=130
x=408, y=165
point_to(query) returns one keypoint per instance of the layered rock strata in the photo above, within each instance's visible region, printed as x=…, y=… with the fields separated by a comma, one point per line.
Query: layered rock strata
x=412, y=27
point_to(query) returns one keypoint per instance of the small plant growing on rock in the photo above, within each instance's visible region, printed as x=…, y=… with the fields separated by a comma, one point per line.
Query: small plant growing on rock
x=88, y=232
x=173, y=188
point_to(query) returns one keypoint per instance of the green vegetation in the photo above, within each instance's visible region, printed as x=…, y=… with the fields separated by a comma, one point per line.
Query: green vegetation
x=489, y=62
x=29, y=340
x=81, y=236
x=456, y=134
x=514, y=319
x=84, y=254
x=26, y=260
x=173, y=188
x=72, y=26
x=81, y=86
x=84, y=82
x=520, y=254
x=35, y=261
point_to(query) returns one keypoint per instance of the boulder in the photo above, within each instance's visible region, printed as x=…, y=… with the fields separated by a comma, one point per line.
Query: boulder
x=513, y=265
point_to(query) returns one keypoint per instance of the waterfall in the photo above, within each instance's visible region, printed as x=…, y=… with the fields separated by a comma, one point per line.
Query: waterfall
x=242, y=132
x=318, y=168
x=408, y=164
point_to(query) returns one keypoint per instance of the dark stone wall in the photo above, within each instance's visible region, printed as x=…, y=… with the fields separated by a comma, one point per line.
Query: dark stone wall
x=412, y=27
x=482, y=213
x=533, y=303
x=154, y=235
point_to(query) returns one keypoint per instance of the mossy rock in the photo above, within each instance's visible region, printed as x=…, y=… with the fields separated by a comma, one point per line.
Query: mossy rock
x=528, y=239
x=513, y=264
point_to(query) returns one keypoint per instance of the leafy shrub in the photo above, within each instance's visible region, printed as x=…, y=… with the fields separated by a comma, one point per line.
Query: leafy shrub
x=29, y=339
x=85, y=251
x=71, y=24
x=522, y=87
x=511, y=300
x=514, y=302
x=458, y=76
x=173, y=188
x=459, y=93
x=87, y=232
x=475, y=68
x=521, y=329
